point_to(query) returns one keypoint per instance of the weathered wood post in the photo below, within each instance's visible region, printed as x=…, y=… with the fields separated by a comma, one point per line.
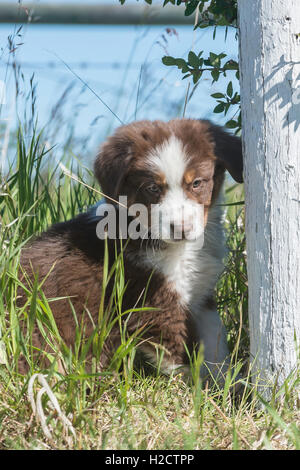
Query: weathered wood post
x=269, y=33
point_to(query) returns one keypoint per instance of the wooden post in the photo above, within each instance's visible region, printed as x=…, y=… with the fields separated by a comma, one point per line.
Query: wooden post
x=269, y=32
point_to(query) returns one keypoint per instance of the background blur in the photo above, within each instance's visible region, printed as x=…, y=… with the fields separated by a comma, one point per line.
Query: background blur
x=121, y=64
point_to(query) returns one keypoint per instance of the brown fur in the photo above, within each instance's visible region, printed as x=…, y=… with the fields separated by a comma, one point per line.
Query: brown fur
x=69, y=257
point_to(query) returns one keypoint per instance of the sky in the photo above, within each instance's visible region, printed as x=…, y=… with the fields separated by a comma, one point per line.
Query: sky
x=106, y=75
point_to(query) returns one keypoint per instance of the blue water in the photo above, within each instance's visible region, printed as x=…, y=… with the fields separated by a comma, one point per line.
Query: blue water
x=109, y=59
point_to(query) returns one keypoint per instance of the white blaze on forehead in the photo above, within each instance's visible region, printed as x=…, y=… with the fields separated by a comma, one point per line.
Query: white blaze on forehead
x=170, y=159
x=175, y=211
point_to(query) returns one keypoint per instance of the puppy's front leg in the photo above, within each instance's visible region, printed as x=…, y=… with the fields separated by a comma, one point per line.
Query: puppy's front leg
x=212, y=334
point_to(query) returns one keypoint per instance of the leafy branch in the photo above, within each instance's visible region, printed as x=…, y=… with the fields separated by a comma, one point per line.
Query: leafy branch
x=212, y=13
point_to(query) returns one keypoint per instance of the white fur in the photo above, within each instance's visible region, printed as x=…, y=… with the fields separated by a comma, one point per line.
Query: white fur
x=191, y=267
x=212, y=335
x=175, y=208
x=193, y=272
x=170, y=159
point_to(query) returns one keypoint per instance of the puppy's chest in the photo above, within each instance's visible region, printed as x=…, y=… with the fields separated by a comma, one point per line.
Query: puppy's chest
x=180, y=270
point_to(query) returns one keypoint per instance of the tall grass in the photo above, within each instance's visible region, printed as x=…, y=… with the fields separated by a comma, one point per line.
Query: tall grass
x=121, y=407
x=125, y=406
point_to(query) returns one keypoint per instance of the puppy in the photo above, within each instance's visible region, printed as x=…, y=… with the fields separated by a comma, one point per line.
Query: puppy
x=172, y=172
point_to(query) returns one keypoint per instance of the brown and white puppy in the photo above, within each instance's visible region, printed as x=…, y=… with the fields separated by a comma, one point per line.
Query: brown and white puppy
x=162, y=166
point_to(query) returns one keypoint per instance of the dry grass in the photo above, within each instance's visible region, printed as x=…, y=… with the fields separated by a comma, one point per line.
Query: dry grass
x=158, y=413
x=123, y=409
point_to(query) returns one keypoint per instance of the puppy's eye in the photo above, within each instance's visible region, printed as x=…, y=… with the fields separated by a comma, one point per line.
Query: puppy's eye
x=153, y=188
x=197, y=183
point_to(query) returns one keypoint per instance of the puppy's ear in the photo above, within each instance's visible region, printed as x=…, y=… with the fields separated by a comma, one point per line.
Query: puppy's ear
x=228, y=149
x=112, y=163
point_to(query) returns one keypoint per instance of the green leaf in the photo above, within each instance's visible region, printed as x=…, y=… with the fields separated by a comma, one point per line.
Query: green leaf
x=219, y=108
x=196, y=76
x=215, y=74
x=218, y=95
x=168, y=60
x=229, y=89
x=231, y=124
x=182, y=64
x=191, y=7
x=193, y=59
x=231, y=65
x=227, y=106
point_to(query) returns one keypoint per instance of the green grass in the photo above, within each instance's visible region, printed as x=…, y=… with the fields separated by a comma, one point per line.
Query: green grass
x=122, y=407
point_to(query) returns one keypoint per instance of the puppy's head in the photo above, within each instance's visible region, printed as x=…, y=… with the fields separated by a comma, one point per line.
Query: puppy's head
x=173, y=169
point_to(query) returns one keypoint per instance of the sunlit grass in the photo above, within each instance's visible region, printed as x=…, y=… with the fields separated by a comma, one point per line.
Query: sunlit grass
x=121, y=407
